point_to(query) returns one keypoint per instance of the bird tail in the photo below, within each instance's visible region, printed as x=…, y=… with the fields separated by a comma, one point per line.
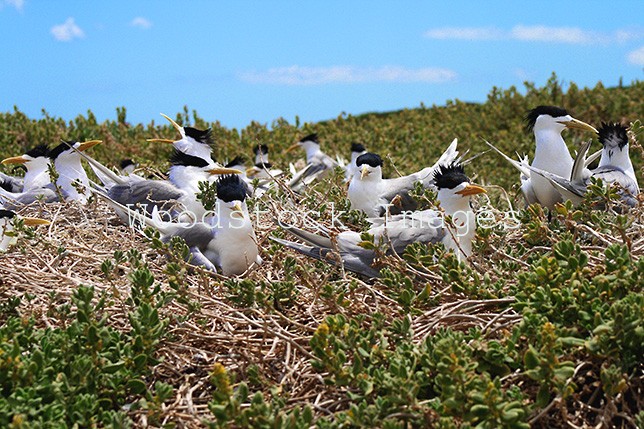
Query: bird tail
x=329, y=256
x=522, y=165
x=565, y=187
x=105, y=175
x=309, y=237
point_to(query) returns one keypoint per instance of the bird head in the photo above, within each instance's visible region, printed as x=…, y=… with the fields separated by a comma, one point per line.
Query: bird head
x=306, y=142
x=613, y=136
x=554, y=118
x=39, y=152
x=454, y=187
x=369, y=166
x=231, y=195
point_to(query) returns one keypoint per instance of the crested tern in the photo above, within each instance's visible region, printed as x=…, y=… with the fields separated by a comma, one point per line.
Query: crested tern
x=427, y=226
x=372, y=194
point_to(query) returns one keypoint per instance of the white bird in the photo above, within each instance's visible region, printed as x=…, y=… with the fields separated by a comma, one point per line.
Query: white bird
x=178, y=194
x=615, y=166
x=228, y=242
x=318, y=163
x=36, y=161
x=372, y=194
x=263, y=169
x=72, y=181
x=192, y=141
x=427, y=226
x=7, y=219
x=357, y=149
x=551, y=153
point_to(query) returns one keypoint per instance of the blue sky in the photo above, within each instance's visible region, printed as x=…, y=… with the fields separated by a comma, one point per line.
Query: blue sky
x=239, y=61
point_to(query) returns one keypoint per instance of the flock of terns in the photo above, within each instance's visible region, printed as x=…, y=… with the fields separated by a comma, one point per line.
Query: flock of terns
x=223, y=239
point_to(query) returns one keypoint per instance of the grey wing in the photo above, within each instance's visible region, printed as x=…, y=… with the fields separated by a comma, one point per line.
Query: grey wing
x=611, y=174
x=399, y=187
x=352, y=257
x=197, y=235
x=150, y=192
x=306, y=175
x=45, y=194
x=200, y=260
x=419, y=227
x=569, y=190
x=10, y=183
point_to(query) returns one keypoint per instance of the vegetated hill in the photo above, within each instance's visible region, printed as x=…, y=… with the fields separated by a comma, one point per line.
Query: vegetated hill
x=543, y=328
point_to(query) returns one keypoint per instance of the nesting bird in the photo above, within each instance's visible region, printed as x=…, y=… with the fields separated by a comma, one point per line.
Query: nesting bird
x=72, y=181
x=427, y=226
x=227, y=241
x=317, y=162
x=376, y=196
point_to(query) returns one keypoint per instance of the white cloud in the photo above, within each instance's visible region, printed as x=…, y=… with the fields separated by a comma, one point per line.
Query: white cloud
x=67, y=31
x=465, y=33
x=298, y=75
x=18, y=4
x=542, y=33
x=141, y=22
x=636, y=57
x=535, y=33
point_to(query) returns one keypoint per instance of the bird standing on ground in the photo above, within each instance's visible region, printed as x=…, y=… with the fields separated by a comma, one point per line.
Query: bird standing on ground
x=427, y=226
x=615, y=166
x=551, y=153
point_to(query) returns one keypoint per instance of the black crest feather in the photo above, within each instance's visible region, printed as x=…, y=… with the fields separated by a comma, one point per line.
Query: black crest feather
x=231, y=188
x=38, y=151
x=357, y=147
x=181, y=158
x=55, y=152
x=238, y=160
x=260, y=147
x=311, y=137
x=450, y=176
x=202, y=136
x=369, y=158
x=7, y=214
x=126, y=163
x=554, y=111
x=613, y=135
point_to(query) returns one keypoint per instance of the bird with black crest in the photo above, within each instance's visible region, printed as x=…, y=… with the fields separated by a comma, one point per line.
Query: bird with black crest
x=318, y=163
x=36, y=163
x=551, y=153
x=615, y=168
x=398, y=232
x=375, y=196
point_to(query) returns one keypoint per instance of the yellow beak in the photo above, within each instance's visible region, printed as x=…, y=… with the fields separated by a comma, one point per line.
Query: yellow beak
x=160, y=141
x=32, y=221
x=575, y=123
x=176, y=126
x=224, y=170
x=364, y=172
x=90, y=143
x=14, y=160
x=293, y=147
x=238, y=208
x=250, y=172
x=471, y=190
